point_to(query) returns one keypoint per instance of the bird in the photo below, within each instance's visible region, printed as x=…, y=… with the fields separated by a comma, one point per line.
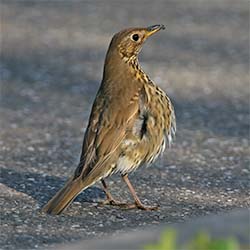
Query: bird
x=131, y=121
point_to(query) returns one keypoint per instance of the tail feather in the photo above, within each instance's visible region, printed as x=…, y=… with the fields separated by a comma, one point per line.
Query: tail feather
x=65, y=196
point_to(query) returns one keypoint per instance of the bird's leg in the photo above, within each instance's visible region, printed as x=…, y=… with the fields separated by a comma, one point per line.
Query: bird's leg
x=110, y=200
x=137, y=203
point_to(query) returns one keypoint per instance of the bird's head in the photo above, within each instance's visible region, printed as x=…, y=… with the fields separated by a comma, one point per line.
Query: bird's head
x=129, y=42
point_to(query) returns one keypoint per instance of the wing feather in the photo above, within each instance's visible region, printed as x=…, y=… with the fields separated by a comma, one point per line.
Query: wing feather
x=106, y=130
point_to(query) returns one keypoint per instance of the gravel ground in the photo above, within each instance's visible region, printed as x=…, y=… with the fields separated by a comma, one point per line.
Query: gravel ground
x=51, y=65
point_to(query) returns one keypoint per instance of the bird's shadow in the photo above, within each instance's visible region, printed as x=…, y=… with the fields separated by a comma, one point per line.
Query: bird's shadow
x=42, y=187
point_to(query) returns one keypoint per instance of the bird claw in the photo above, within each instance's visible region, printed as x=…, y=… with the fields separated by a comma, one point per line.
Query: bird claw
x=125, y=205
x=147, y=208
x=139, y=206
x=112, y=203
x=128, y=206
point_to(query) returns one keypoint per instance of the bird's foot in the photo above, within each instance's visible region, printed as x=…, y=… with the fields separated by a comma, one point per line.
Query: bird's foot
x=112, y=202
x=138, y=206
x=147, y=208
x=125, y=205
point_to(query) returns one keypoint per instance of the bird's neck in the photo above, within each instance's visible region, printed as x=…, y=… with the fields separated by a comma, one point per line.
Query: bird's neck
x=137, y=71
x=118, y=67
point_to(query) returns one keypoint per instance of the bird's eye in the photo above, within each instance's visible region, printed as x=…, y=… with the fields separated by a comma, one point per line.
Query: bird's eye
x=135, y=37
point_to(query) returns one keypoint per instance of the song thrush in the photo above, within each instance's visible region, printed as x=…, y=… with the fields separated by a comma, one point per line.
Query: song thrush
x=130, y=122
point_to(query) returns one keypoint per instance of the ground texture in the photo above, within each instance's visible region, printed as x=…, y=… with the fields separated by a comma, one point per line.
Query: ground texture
x=52, y=56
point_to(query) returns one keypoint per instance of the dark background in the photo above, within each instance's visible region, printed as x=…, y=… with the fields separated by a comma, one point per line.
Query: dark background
x=52, y=55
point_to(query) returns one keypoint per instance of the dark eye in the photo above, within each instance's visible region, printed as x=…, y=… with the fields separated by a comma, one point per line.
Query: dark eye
x=135, y=37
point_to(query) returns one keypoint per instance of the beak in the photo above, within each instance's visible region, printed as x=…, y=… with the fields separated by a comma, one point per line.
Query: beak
x=153, y=29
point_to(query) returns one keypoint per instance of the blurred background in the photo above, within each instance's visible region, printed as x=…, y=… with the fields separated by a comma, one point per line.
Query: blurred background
x=52, y=55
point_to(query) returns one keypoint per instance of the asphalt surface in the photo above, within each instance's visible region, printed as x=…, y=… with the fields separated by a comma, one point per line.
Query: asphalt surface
x=232, y=225
x=51, y=65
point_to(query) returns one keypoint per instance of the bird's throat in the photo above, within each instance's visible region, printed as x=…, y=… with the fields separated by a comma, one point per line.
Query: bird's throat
x=128, y=73
x=137, y=71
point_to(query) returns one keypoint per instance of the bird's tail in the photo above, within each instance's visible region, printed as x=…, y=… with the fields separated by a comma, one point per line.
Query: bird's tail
x=65, y=196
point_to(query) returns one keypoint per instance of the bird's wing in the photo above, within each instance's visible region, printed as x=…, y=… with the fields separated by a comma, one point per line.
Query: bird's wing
x=106, y=129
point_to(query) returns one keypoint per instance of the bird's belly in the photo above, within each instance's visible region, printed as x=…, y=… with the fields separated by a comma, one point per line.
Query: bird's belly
x=137, y=153
x=125, y=164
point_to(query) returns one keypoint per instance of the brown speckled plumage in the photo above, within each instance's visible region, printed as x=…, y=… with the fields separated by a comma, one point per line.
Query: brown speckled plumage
x=131, y=121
